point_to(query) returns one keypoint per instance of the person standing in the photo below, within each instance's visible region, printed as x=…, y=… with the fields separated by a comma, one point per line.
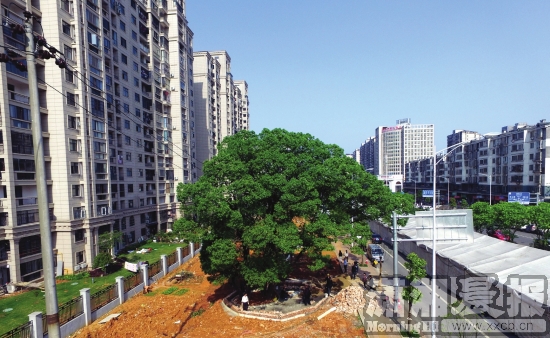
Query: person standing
x=346, y=254
x=354, y=269
x=364, y=279
x=329, y=284
x=346, y=265
x=244, y=301
x=306, y=295
x=340, y=253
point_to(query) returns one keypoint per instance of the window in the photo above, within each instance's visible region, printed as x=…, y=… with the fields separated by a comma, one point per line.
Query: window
x=79, y=235
x=123, y=42
x=122, y=26
x=136, y=68
x=98, y=128
x=128, y=156
x=100, y=147
x=69, y=77
x=124, y=91
x=133, y=19
x=129, y=172
x=67, y=29
x=97, y=85
x=71, y=99
x=132, y=220
x=77, y=190
x=124, y=58
x=138, y=113
x=126, y=106
x=140, y=158
x=134, y=36
x=130, y=188
x=140, y=173
x=135, y=51
x=136, y=82
x=21, y=117
x=79, y=257
x=137, y=97
x=125, y=75
x=73, y=145
x=75, y=168
x=127, y=124
x=73, y=122
x=138, y=128
x=21, y=143
x=98, y=107
x=95, y=64
x=127, y=140
x=70, y=53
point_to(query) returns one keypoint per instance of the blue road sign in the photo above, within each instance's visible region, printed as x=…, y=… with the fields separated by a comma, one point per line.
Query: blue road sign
x=520, y=197
x=427, y=193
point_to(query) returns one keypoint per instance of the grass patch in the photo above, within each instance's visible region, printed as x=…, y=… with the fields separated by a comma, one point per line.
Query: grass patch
x=170, y=290
x=410, y=334
x=157, y=249
x=181, y=292
x=218, y=280
x=197, y=313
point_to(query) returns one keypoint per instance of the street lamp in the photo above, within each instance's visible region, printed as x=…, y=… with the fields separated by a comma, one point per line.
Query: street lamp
x=490, y=187
x=434, y=233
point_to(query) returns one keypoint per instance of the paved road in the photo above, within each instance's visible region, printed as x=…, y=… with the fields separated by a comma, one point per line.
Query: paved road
x=524, y=238
x=444, y=299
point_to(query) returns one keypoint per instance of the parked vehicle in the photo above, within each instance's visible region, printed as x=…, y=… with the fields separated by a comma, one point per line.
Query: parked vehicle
x=375, y=252
x=498, y=235
x=376, y=239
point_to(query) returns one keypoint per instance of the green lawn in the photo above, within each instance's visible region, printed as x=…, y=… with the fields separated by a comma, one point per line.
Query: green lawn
x=28, y=302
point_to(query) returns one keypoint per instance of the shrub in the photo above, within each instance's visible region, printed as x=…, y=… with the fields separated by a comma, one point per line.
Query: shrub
x=101, y=260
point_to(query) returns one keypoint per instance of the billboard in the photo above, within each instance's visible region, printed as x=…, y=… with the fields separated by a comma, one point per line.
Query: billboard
x=520, y=197
x=427, y=193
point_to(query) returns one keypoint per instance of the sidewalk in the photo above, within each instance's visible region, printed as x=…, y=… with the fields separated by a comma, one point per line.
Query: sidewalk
x=377, y=310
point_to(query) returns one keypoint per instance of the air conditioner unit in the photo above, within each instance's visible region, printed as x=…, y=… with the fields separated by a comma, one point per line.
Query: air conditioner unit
x=76, y=268
x=173, y=89
x=176, y=178
x=104, y=211
x=83, y=266
x=172, y=75
x=174, y=128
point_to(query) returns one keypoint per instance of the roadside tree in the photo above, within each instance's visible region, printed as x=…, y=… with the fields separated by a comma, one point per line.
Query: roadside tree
x=539, y=215
x=510, y=217
x=268, y=196
x=417, y=270
x=483, y=216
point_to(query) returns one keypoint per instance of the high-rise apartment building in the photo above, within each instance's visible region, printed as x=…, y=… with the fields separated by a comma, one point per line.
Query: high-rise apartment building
x=221, y=105
x=118, y=128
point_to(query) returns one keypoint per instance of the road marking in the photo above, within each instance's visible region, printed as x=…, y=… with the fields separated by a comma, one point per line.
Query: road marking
x=388, y=252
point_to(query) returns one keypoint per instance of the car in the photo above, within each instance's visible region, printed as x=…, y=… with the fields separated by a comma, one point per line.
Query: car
x=375, y=252
x=498, y=235
x=376, y=239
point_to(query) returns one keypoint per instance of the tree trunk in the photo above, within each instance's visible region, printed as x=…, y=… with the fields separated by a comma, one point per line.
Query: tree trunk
x=409, y=317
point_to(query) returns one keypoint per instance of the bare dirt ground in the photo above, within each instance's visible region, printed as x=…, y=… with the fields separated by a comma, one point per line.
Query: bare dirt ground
x=198, y=313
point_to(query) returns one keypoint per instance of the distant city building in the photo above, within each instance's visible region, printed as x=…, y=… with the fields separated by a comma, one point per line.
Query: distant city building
x=488, y=167
x=386, y=153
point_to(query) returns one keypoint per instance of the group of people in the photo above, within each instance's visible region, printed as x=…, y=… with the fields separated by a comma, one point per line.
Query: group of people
x=366, y=279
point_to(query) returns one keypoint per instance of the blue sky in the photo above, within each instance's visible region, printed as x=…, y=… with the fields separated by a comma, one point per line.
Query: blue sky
x=339, y=69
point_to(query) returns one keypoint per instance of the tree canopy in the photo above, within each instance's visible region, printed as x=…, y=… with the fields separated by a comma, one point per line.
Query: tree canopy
x=270, y=195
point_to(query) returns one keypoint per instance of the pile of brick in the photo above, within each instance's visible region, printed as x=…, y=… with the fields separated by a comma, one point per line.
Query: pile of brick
x=349, y=300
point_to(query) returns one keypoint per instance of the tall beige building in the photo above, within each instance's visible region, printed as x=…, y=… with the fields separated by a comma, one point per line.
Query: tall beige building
x=118, y=128
x=222, y=106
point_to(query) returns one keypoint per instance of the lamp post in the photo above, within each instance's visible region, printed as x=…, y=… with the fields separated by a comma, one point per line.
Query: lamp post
x=434, y=232
x=490, y=187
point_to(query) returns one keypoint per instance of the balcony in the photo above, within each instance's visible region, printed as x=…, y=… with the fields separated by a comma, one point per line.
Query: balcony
x=151, y=192
x=24, y=201
x=19, y=97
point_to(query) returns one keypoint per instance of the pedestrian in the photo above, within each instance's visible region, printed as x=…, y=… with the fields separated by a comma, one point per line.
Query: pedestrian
x=346, y=254
x=244, y=301
x=306, y=295
x=370, y=282
x=345, y=265
x=278, y=292
x=364, y=279
x=340, y=253
x=328, y=286
x=354, y=269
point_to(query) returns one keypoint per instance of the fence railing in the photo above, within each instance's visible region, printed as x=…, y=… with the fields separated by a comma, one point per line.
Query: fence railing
x=172, y=258
x=103, y=297
x=132, y=281
x=44, y=324
x=186, y=251
x=70, y=310
x=154, y=268
x=22, y=331
x=196, y=246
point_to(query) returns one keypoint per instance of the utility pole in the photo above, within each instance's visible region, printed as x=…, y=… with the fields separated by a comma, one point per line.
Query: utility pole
x=52, y=315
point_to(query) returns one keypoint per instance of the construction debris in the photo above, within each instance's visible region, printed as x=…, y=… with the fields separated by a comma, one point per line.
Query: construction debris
x=349, y=300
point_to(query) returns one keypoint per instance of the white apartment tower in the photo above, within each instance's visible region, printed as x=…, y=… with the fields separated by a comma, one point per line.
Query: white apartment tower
x=222, y=105
x=118, y=128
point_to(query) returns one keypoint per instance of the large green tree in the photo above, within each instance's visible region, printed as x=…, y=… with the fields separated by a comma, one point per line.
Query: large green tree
x=539, y=215
x=417, y=270
x=267, y=196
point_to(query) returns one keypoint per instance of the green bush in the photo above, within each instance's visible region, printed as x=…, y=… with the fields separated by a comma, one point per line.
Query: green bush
x=101, y=260
x=169, y=290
